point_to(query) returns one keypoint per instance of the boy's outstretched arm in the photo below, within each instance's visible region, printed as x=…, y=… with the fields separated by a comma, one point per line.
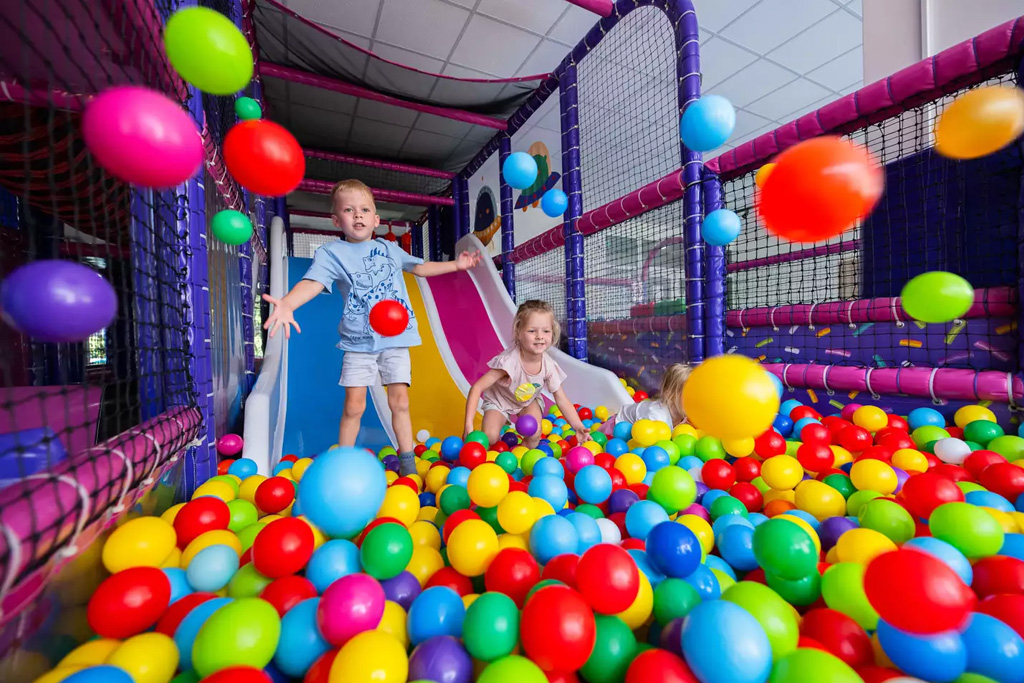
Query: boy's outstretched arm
x=570, y=415
x=284, y=308
x=463, y=261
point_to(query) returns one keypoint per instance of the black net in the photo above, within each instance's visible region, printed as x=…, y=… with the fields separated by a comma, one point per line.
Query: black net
x=935, y=214
x=543, y=277
x=376, y=177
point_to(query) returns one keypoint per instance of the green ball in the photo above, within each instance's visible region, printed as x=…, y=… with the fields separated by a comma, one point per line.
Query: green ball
x=490, y=515
x=208, y=50
x=231, y=227
x=785, y=549
x=982, y=431
x=246, y=109
x=453, y=499
x=771, y=611
x=386, y=451
x=673, y=488
x=227, y=479
x=248, y=534
x=709, y=448
x=672, y=449
x=479, y=437
x=542, y=584
x=600, y=437
x=507, y=461
x=792, y=447
x=531, y=458
x=242, y=514
x=889, y=519
x=727, y=505
x=841, y=483
x=490, y=629
x=186, y=677
x=969, y=677
x=247, y=582
x=686, y=443
x=614, y=649
x=968, y=486
x=842, y=587
x=512, y=669
x=928, y=433
x=1009, y=446
x=761, y=485
x=590, y=510
x=937, y=297
x=801, y=592
x=386, y=551
x=556, y=450
x=811, y=665
x=858, y=499
x=967, y=528
x=673, y=599
x=241, y=633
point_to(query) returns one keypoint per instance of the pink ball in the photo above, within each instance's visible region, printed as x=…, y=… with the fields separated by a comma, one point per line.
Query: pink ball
x=577, y=458
x=142, y=137
x=848, y=410
x=229, y=445
x=697, y=509
x=349, y=606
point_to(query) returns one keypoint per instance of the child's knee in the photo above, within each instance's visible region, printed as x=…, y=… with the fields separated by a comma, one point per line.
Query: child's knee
x=354, y=405
x=398, y=401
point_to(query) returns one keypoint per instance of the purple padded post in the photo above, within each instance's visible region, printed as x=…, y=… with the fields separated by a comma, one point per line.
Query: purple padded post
x=457, y=207
x=508, y=235
x=461, y=206
x=434, y=232
x=416, y=240
x=575, y=289
x=1020, y=237
x=714, y=258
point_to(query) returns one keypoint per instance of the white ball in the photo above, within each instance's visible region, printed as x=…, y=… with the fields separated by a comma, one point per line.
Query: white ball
x=696, y=473
x=422, y=435
x=609, y=532
x=952, y=450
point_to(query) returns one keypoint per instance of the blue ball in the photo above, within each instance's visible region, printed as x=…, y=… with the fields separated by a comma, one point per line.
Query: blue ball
x=994, y=649
x=711, y=496
x=300, y=643
x=331, y=561
x=1013, y=546
x=519, y=170
x=342, y=491
x=554, y=202
x=715, y=562
x=565, y=512
x=736, y=545
x=458, y=476
x=281, y=467
x=920, y=417
x=437, y=611
x=712, y=634
x=550, y=488
x=432, y=442
x=688, y=462
x=104, y=673
x=673, y=549
x=706, y=583
x=616, y=447
x=427, y=499
x=552, y=536
x=188, y=629
x=779, y=387
x=783, y=425
x=806, y=516
x=707, y=123
x=548, y=465
x=593, y=484
x=937, y=657
x=587, y=529
x=803, y=422
x=648, y=479
x=720, y=227
x=719, y=526
x=787, y=406
x=655, y=457
x=1020, y=429
x=643, y=563
x=989, y=499
x=450, y=448
x=572, y=499
x=623, y=430
x=243, y=467
x=212, y=568
x=1019, y=503
x=179, y=583
x=757, y=519
x=642, y=516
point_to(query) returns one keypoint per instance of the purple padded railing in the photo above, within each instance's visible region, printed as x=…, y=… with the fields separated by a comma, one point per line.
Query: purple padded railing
x=377, y=163
x=396, y=196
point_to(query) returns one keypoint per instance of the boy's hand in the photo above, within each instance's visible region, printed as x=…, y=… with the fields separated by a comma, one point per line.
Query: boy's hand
x=583, y=436
x=467, y=260
x=281, y=315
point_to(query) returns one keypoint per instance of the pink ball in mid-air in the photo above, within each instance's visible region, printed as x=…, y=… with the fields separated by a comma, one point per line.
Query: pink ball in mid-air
x=142, y=137
x=229, y=445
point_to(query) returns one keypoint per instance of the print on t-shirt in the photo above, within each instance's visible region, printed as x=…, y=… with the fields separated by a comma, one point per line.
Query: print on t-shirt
x=371, y=286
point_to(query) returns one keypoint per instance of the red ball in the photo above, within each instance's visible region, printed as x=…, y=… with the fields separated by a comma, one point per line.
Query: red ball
x=718, y=474
x=224, y=465
x=514, y=485
x=1003, y=478
x=839, y=634
x=924, y=492
x=854, y=439
x=199, y=516
x=955, y=432
x=500, y=447
x=816, y=456
x=618, y=478
x=512, y=572
x=448, y=577
x=800, y=412
x=897, y=422
x=274, y=495
x=748, y=468
x=239, y=674
x=605, y=460
x=557, y=629
x=633, y=544
x=951, y=472
x=1006, y=607
x=129, y=602
x=619, y=520
x=748, y=494
x=976, y=462
x=170, y=620
x=472, y=455
x=264, y=157
x=659, y=666
x=561, y=677
x=288, y=591
x=816, y=434
x=406, y=481
x=586, y=414
x=893, y=439
x=916, y=592
x=291, y=457
x=562, y=568
x=608, y=578
x=389, y=318
x=770, y=443
x=420, y=449
x=877, y=674
x=282, y=547
x=640, y=396
x=320, y=672
x=998, y=574
x=882, y=453
x=455, y=519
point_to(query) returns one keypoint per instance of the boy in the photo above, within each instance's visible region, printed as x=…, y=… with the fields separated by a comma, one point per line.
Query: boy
x=367, y=271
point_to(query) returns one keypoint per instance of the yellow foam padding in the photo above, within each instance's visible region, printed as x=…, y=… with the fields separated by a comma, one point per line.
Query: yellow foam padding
x=435, y=401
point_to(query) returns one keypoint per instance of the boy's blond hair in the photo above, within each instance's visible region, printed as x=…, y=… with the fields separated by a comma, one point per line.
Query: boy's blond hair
x=528, y=308
x=352, y=185
x=672, y=383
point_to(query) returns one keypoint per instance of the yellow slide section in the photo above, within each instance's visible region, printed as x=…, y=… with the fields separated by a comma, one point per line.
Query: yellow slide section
x=435, y=400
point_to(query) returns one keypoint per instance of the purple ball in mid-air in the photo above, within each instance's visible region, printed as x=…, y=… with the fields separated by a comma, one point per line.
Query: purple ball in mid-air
x=402, y=589
x=441, y=659
x=57, y=301
x=832, y=528
x=526, y=425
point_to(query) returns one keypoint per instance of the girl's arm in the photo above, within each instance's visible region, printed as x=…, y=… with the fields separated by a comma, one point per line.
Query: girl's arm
x=464, y=261
x=477, y=390
x=570, y=415
x=284, y=308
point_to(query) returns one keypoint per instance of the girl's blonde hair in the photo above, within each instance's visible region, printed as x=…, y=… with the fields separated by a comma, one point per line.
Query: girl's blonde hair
x=673, y=381
x=528, y=308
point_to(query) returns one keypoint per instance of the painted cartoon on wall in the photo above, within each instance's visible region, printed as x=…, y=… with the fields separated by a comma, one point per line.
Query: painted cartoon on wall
x=546, y=178
x=487, y=219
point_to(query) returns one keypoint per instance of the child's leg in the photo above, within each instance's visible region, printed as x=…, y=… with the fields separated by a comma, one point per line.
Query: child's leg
x=534, y=410
x=401, y=422
x=355, y=405
x=396, y=373
x=492, y=423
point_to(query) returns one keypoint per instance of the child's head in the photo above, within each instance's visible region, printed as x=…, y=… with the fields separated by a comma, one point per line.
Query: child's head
x=535, y=327
x=353, y=210
x=672, y=386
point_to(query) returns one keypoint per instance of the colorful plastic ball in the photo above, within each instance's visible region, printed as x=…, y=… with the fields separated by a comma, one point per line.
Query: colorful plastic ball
x=231, y=227
x=247, y=108
x=614, y=649
x=274, y=495
x=820, y=188
x=264, y=157
x=921, y=417
x=558, y=629
x=873, y=475
x=673, y=488
x=608, y=578
x=593, y=484
x=980, y=122
x=644, y=516
x=212, y=568
x=587, y=529
x=519, y=170
x=300, y=644
x=402, y=589
x=147, y=658
x=553, y=535
x=437, y=611
x=554, y=202
x=969, y=529
x=994, y=649
x=141, y=542
x=342, y=491
x=243, y=468
x=551, y=489
x=937, y=297
x=785, y=549
x=370, y=656
x=208, y=50
x=241, y=633
x=441, y=658
x=673, y=549
x=105, y=673
x=385, y=551
x=707, y=123
x=917, y=592
x=512, y=669
x=1009, y=446
x=731, y=397
x=806, y=664
x=389, y=318
x=711, y=634
x=129, y=602
x=870, y=418
x=720, y=227
x=526, y=425
x=283, y=547
x=472, y=546
x=288, y=591
x=350, y=605
x=938, y=657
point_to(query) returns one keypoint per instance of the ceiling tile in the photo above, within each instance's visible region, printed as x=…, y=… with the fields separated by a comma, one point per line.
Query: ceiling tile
x=357, y=16
x=806, y=109
x=379, y=134
x=378, y=111
x=462, y=72
x=719, y=60
x=407, y=58
x=752, y=82
x=704, y=36
x=329, y=129
x=781, y=101
x=841, y=71
x=853, y=87
x=747, y=123
x=430, y=27
x=493, y=47
x=361, y=41
x=573, y=25
x=714, y=15
x=773, y=22
x=533, y=15
x=857, y=7
x=300, y=95
x=835, y=34
x=544, y=59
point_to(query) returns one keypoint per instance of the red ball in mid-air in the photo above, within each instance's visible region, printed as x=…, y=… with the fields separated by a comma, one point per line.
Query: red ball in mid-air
x=389, y=318
x=264, y=157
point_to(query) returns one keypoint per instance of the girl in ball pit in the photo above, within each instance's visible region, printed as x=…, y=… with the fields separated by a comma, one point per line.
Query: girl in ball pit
x=666, y=408
x=513, y=384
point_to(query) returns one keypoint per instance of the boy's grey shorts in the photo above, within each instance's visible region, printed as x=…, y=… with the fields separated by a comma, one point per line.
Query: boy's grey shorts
x=361, y=369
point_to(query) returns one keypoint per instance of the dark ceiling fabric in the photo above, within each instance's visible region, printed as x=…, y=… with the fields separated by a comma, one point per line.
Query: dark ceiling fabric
x=289, y=41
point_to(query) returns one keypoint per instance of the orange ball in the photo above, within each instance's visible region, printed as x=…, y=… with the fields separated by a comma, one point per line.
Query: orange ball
x=778, y=507
x=820, y=188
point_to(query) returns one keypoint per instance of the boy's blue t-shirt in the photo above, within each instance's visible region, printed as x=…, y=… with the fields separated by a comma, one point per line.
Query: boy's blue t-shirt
x=366, y=273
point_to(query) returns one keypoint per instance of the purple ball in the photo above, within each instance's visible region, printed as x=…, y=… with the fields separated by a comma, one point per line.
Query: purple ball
x=57, y=301
x=621, y=500
x=526, y=425
x=441, y=659
x=702, y=488
x=390, y=462
x=699, y=510
x=672, y=637
x=831, y=529
x=402, y=589
x=901, y=478
x=510, y=439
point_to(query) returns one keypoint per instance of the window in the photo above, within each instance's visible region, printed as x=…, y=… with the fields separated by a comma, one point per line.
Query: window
x=96, y=344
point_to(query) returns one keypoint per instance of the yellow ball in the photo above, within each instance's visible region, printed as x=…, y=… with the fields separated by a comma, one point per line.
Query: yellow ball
x=425, y=534
x=402, y=503
x=701, y=529
x=593, y=447
x=662, y=432
x=416, y=479
x=871, y=418
x=147, y=658
x=731, y=397
x=542, y=508
x=247, y=489
x=630, y=391
x=601, y=413
x=968, y=414
x=173, y=560
x=172, y=512
x=427, y=514
x=517, y=512
x=684, y=428
x=217, y=489
x=319, y=538
x=637, y=614
x=487, y=485
x=545, y=428
x=910, y=460
x=300, y=466
x=622, y=381
x=645, y=432
x=789, y=495
x=632, y=466
x=873, y=475
x=424, y=562
x=842, y=456
x=205, y=540
x=469, y=598
x=436, y=478
x=782, y=472
x=370, y=657
x=1008, y=523
x=724, y=580
x=980, y=122
x=92, y=653
x=390, y=477
x=762, y=174
x=142, y=542
x=472, y=546
x=59, y=674
x=519, y=541
x=492, y=456
x=556, y=411
x=422, y=468
x=393, y=623
x=287, y=474
x=862, y=545
x=820, y=499
x=739, y=448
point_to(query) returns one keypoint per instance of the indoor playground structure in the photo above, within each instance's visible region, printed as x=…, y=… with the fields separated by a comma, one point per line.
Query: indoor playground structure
x=843, y=502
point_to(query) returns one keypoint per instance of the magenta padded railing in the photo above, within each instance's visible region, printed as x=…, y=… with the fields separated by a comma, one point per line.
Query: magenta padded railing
x=396, y=196
x=377, y=163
